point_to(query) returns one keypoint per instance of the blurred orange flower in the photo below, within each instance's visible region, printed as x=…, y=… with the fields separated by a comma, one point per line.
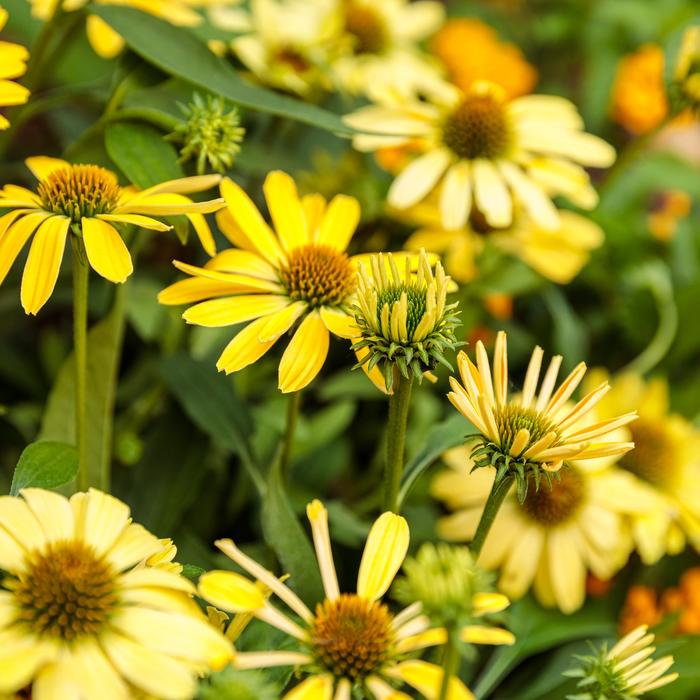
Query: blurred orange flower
x=472, y=51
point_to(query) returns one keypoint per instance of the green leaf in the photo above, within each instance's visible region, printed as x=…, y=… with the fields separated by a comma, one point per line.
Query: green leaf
x=45, y=465
x=285, y=535
x=443, y=436
x=104, y=353
x=178, y=52
x=210, y=401
x=142, y=153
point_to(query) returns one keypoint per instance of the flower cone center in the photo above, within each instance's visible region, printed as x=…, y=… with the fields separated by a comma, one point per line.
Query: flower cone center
x=294, y=59
x=366, y=28
x=552, y=506
x=79, y=191
x=655, y=454
x=318, y=275
x=351, y=636
x=66, y=593
x=511, y=418
x=416, y=298
x=478, y=128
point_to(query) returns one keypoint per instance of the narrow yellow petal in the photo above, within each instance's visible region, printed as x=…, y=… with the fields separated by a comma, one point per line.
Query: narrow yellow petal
x=278, y=323
x=201, y=228
x=286, y=210
x=477, y=634
x=243, y=282
x=106, y=250
x=43, y=166
x=304, y=356
x=339, y=322
x=313, y=688
x=231, y=310
x=136, y=220
x=384, y=553
x=196, y=289
x=14, y=236
x=426, y=678
x=339, y=222
x=103, y=39
x=230, y=592
x=245, y=348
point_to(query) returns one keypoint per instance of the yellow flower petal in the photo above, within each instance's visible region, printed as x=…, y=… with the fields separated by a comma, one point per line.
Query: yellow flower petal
x=231, y=310
x=418, y=178
x=196, y=289
x=230, y=591
x=21, y=523
x=339, y=222
x=476, y=634
x=339, y=322
x=245, y=348
x=13, y=557
x=135, y=544
x=22, y=656
x=106, y=250
x=286, y=210
x=136, y=220
x=14, y=236
x=280, y=322
x=201, y=228
x=384, y=553
x=52, y=512
x=100, y=520
x=485, y=603
x=491, y=195
x=103, y=39
x=97, y=676
x=43, y=263
x=313, y=688
x=43, y=166
x=244, y=283
x=314, y=206
x=243, y=262
x=305, y=354
x=427, y=678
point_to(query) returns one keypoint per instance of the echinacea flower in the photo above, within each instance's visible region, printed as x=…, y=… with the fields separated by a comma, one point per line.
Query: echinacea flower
x=13, y=64
x=88, y=200
x=272, y=279
x=351, y=641
x=686, y=72
x=104, y=40
x=549, y=540
x=627, y=671
x=82, y=615
x=557, y=254
x=659, y=481
x=487, y=153
x=403, y=317
x=531, y=431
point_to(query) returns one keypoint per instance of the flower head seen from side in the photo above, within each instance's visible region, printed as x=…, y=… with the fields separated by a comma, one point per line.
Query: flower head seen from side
x=549, y=540
x=534, y=432
x=104, y=40
x=13, y=65
x=87, y=201
x=660, y=479
x=558, y=254
x=487, y=153
x=686, y=72
x=403, y=317
x=626, y=672
x=82, y=613
x=298, y=272
x=351, y=641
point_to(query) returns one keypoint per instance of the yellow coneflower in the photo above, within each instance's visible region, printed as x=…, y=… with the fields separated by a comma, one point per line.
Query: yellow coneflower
x=404, y=319
x=13, y=64
x=626, y=671
x=487, y=152
x=83, y=615
x=351, y=641
x=530, y=431
x=686, y=72
x=272, y=279
x=547, y=541
x=103, y=39
x=88, y=200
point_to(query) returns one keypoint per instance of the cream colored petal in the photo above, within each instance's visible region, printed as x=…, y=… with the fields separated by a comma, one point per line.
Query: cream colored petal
x=150, y=577
x=57, y=681
x=13, y=557
x=318, y=517
x=566, y=569
x=21, y=523
x=22, y=657
x=270, y=659
x=105, y=519
x=384, y=553
x=286, y=210
x=418, y=178
x=230, y=591
x=521, y=563
x=533, y=198
x=456, y=196
x=53, y=513
x=491, y=194
x=135, y=544
x=304, y=356
x=43, y=263
x=98, y=677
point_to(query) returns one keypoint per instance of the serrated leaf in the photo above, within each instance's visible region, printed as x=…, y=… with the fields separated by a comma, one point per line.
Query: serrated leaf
x=45, y=465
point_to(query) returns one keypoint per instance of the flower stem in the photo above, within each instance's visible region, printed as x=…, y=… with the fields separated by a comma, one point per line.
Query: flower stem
x=399, y=403
x=499, y=490
x=80, y=319
x=451, y=662
x=292, y=414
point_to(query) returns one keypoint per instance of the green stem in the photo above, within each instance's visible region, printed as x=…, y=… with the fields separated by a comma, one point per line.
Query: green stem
x=399, y=403
x=493, y=503
x=80, y=319
x=293, y=406
x=451, y=662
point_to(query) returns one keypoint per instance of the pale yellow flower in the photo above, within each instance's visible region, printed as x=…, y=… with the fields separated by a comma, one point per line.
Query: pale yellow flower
x=549, y=541
x=81, y=616
x=487, y=153
x=351, y=640
x=13, y=64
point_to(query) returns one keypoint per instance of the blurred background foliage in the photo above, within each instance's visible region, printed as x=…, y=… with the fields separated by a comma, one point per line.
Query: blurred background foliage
x=189, y=446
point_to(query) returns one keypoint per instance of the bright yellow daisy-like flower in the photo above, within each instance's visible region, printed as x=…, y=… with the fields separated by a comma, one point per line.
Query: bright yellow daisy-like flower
x=88, y=200
x=299, y=271
x=659, y=482
x=531, y=431
x=557, y=254
x=82, y=613
x=551, y=539
x=487, y=153
x=13, y=64
x=103, y=39
x=351, y=640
